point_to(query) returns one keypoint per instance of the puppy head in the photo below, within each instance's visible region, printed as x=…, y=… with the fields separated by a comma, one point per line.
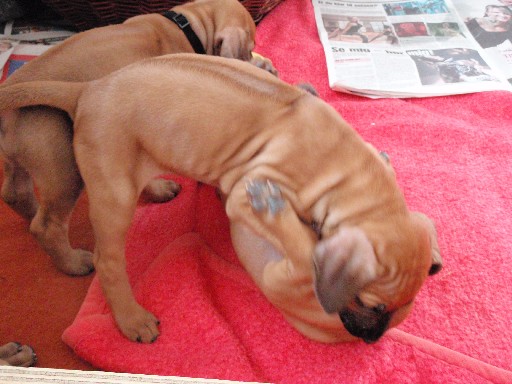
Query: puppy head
x=225, y=27
x=234, y=31
x=234, y=43
x=371, y=282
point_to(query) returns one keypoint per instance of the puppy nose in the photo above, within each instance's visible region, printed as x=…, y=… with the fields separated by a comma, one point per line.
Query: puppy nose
x=367, y=326
x=371, y=340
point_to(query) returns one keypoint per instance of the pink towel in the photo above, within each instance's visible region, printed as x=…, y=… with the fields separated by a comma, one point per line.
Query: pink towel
x=453, y=158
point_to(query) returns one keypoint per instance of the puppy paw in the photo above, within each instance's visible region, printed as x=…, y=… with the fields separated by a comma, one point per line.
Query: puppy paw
x=138, y=325
x=263, y=63
x=15, y=354
x=77, y=263
x=161, y=190
x=265, y=196
x=275, y=220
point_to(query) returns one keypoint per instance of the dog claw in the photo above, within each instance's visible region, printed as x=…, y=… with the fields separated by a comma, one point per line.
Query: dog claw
x=34, y=357
x=255, y=192
x=265, y=194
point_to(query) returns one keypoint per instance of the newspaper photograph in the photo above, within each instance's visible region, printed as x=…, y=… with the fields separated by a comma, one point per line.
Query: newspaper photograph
x=416, y=48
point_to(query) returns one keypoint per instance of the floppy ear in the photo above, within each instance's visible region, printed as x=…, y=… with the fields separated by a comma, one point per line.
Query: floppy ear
x=234, y=43
x=344, y=264
x=428, y=224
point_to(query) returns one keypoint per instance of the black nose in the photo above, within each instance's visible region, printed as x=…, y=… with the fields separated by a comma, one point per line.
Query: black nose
x=367, y=326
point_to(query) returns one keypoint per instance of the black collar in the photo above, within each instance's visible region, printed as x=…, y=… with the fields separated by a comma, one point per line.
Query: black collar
x=182, y=22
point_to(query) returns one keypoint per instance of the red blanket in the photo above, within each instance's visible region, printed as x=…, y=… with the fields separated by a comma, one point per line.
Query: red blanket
x=453, y=157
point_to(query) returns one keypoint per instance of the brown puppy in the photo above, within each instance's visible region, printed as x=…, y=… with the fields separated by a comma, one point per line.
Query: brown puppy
x=286, y=162
x=36, y=142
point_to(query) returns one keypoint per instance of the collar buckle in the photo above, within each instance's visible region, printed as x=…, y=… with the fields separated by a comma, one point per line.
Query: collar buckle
x=184, y=25
x=180, y=20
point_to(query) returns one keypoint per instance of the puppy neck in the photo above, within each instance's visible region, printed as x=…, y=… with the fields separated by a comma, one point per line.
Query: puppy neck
x=197, y=14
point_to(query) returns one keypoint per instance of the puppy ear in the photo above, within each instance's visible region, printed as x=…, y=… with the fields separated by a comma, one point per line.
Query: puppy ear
x=344, y=264
x=428, y=224
x=233, y=43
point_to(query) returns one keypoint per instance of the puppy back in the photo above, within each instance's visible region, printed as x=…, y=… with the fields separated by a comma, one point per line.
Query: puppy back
x=244, y=76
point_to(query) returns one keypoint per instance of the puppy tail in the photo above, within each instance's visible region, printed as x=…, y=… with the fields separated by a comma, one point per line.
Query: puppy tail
x=58, y=94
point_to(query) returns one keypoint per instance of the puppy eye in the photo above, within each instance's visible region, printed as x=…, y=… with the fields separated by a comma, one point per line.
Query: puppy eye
x=359, y=302
x=378, y=309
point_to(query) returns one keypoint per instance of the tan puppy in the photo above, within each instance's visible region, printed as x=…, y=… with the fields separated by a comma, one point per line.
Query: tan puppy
x=36, y=142
x=286, y=162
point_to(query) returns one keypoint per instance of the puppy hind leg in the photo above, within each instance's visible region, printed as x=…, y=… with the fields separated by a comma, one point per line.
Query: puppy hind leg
x=17, y=187
x=50, y=227
x=58, y=193
x=41, y=142
x=18, y=190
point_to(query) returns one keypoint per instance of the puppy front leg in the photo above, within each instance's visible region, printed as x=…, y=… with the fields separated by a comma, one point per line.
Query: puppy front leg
x=111, y=211
x=277, y=222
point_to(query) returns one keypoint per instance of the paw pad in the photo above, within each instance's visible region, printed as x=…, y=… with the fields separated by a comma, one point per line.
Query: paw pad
x=265, y=195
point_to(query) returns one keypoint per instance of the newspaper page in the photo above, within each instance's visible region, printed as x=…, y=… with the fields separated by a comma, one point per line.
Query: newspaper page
x=490, y=24
x=21, y=41
x=14, y=375
x=416, y=48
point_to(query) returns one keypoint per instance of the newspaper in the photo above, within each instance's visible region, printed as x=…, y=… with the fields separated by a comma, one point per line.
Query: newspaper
x=14, y=375
x=21, y=41
x=416, y=48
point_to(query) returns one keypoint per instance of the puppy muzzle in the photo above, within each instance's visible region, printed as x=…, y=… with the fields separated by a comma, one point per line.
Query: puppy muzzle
x=366, y=326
